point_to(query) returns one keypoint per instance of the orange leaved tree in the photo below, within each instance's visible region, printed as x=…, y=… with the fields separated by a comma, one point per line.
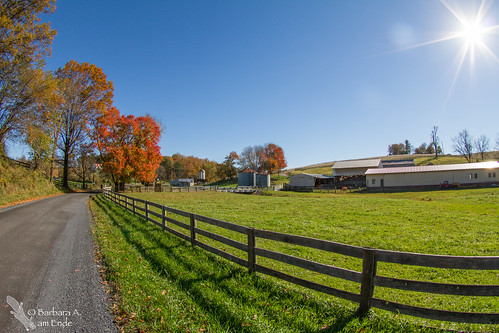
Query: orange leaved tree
x=273, y=158
x=86, y=94
x=128, y=147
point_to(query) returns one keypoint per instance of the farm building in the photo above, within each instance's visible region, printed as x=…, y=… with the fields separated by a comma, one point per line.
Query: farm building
x=263, y=179
x=352, y=173
x=183, y=182
x=434, y=176
x=247, y=177
x=397, y=163
x=307, y=182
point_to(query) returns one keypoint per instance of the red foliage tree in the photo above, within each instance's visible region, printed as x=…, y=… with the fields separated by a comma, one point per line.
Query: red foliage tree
x=273, y=158
x=128, y=146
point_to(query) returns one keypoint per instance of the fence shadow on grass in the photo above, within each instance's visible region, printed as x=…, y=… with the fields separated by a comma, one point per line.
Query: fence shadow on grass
x=154, y=246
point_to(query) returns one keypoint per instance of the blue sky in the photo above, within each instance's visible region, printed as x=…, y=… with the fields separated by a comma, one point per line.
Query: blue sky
x=325, y=80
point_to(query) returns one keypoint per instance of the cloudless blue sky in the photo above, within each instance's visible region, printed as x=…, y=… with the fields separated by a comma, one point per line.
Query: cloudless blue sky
x=325, y=80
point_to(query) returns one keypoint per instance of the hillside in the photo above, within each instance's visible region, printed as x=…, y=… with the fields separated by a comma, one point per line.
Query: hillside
x=18, y=184
x=419, y=159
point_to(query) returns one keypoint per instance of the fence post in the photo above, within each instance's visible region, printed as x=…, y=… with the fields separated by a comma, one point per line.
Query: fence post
x=367, y=286
x=163, y=220
x=133, y=205
x=193, y=231
x=147, y=211
x=251, y=251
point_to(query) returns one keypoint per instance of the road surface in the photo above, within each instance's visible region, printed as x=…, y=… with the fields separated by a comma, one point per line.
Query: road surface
x=47, y=262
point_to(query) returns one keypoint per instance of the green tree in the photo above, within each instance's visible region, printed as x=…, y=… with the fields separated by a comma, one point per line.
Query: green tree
x=41, y=127
x=408, y=147
x=24, y=41
x=228, y=167
x=396, y=149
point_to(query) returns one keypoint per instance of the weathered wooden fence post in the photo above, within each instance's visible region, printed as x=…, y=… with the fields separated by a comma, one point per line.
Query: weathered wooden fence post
x=163, y=215
x=367, y=286
x=147, y=210
x=251, y=250
x=133, y=205
x=193, y=229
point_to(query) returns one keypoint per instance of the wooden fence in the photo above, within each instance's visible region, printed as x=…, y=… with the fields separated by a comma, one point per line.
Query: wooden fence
x=168, y=188
x=368, y=278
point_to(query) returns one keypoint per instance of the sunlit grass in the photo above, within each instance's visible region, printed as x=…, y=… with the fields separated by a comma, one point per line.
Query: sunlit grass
x=162, y=284
x=460, y=222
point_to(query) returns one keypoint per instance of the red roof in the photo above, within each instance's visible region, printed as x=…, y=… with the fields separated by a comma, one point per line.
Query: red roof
x=248, y=170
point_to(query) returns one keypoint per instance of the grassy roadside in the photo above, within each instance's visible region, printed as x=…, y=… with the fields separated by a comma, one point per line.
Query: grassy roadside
x=18, y=185
x=460, y=222
x=165, y=285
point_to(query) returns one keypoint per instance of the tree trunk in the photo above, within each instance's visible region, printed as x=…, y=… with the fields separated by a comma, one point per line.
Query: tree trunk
x=65, y=166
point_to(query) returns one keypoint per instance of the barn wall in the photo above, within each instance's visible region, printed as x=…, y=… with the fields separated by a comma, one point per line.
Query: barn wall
x=246, y=179
x=432, y=178
x=302, y=180
x=349, y=172
x=263, y=180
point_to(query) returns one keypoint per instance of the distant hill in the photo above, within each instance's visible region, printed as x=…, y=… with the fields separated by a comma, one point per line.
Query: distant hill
x=419, y=159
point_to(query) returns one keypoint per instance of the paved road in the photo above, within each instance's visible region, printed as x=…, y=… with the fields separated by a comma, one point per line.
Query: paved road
x=47, y=262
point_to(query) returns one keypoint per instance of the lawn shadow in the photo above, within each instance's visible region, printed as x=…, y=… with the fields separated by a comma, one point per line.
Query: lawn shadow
x=221, y=275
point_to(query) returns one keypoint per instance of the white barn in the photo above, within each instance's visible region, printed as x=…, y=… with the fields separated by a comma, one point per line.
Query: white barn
x=354, y=168
x=307, y=182
x=434, y=176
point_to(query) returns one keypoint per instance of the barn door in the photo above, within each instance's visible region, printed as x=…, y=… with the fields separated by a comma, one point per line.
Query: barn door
x=382, y=182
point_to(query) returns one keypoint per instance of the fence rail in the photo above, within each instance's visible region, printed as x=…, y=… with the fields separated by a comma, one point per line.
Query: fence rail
x=367, y=279
x=169, y=188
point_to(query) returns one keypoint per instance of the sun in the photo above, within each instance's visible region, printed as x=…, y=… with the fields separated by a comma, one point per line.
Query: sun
x=473, y=33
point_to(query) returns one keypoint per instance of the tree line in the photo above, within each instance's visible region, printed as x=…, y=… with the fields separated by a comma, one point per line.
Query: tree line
x=261, y=158
x=464, y=144
x=63, y=117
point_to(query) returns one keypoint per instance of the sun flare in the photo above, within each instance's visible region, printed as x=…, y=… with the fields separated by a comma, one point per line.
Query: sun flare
x=473, y=33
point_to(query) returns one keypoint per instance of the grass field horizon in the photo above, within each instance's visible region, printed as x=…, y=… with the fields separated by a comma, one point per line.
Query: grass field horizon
x=457, y=222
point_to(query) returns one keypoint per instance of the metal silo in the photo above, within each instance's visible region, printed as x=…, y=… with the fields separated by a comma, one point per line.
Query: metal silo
x=247, y=177
x=263, y=179
x=202, y=175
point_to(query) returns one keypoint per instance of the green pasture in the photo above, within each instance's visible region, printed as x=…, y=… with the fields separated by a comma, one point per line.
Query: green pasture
x=459, y=222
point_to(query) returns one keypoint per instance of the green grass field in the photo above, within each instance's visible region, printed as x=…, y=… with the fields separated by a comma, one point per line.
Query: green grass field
x=462, y=222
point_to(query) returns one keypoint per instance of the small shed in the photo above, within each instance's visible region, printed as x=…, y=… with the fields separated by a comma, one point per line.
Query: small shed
x=182, y=182
x=307, y=182
x=247, y=177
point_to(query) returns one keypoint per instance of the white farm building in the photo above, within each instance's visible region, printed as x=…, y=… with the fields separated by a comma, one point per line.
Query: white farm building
x=353, y=173
x=433, y=176
x=307, y=182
